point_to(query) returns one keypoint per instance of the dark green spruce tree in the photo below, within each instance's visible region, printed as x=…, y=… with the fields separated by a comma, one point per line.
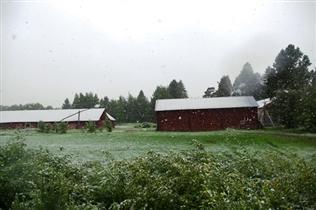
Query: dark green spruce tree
x=142, y=107
x=289, y=83
x=177, y=90
x=66, y=104
x=225, y=87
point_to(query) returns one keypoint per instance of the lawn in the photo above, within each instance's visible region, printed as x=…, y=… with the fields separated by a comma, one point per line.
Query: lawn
x=127, y=142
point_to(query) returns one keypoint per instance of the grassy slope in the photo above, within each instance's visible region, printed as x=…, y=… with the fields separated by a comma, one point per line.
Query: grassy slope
x=126, y=142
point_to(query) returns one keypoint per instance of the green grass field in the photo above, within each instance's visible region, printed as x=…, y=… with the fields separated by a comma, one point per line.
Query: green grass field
x=127, y=142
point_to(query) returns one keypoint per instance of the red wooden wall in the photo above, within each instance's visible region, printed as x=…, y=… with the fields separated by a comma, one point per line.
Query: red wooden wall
x=207, y=119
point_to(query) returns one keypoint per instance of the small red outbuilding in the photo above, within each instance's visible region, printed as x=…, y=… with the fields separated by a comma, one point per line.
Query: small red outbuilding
x=206, y=114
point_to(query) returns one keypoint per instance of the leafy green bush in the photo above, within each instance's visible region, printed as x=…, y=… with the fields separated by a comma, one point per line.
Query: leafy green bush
x=61, y=127
x=145, y=125
x=32, y=179
x=44, y=127
x=90, y=127
x=194, y=179
x=108, y=126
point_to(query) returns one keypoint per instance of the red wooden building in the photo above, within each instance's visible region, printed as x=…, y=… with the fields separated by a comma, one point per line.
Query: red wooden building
x=76, y=118
x=206, y=114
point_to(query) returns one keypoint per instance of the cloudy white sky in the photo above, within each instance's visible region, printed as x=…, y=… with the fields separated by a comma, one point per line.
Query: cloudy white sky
x=52, y=49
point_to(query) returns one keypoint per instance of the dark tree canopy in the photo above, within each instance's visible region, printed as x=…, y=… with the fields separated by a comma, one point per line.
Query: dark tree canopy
x=160, y=93
x=182, y=91
x=288, y=72
x=87, y=100
x=131, y=109
x=224, y=87
x=142, y=107
x=105, y=103
x=66, y=104
x=118, y=108
x=290, y=83
x=247, y=83
x=177, y=90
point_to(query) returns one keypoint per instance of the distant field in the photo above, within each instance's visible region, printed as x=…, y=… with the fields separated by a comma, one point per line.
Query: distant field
x=127, y=142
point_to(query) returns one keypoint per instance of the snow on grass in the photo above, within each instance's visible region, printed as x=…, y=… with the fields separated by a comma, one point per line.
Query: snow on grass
x=128, y=142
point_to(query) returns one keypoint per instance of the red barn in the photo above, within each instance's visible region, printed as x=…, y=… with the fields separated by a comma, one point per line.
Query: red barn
x=76, y=118
x=206, y=114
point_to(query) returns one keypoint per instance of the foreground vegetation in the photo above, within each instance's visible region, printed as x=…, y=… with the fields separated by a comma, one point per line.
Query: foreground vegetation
x=191, y=179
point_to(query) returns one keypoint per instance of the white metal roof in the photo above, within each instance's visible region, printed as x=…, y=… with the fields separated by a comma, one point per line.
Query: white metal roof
x=53, y=115
x=205, y=103
x=264, y=102
x=110, y=117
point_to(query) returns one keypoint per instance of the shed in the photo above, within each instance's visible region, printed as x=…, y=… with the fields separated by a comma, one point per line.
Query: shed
x=76, y=118
x=264, y=107
x=206, y=114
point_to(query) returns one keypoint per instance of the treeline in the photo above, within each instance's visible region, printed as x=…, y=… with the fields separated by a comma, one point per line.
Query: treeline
x=130, y=109
x=29, y=106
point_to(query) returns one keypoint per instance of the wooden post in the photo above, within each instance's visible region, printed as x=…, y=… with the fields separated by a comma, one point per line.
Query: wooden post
x=78, y=124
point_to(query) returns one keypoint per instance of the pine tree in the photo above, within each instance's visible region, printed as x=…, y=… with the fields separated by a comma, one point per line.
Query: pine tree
x=160, y=92
x=105, y=103
x=248, y=83
x=288, y=72
x=289, y=82
x=182, y=91
x=132, y=112
x=119, y=109
x=224, y=87
x=173, y=89
x=76, y=102
x=142, y=107
x=66, y=104
x=177, y=89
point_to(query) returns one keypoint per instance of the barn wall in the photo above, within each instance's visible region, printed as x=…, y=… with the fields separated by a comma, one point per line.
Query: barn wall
x=207, y=119
x=71, y=125
x=18, y=125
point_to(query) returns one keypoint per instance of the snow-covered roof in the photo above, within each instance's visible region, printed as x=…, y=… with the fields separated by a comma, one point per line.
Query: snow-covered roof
x=263, y=102
x=53, y=115
x=110, y=117
x=205, y=103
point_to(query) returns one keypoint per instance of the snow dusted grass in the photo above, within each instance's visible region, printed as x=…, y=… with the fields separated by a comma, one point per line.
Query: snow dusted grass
x=128, y=142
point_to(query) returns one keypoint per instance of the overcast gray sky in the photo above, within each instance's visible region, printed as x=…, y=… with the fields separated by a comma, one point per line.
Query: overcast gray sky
x=51, y=50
